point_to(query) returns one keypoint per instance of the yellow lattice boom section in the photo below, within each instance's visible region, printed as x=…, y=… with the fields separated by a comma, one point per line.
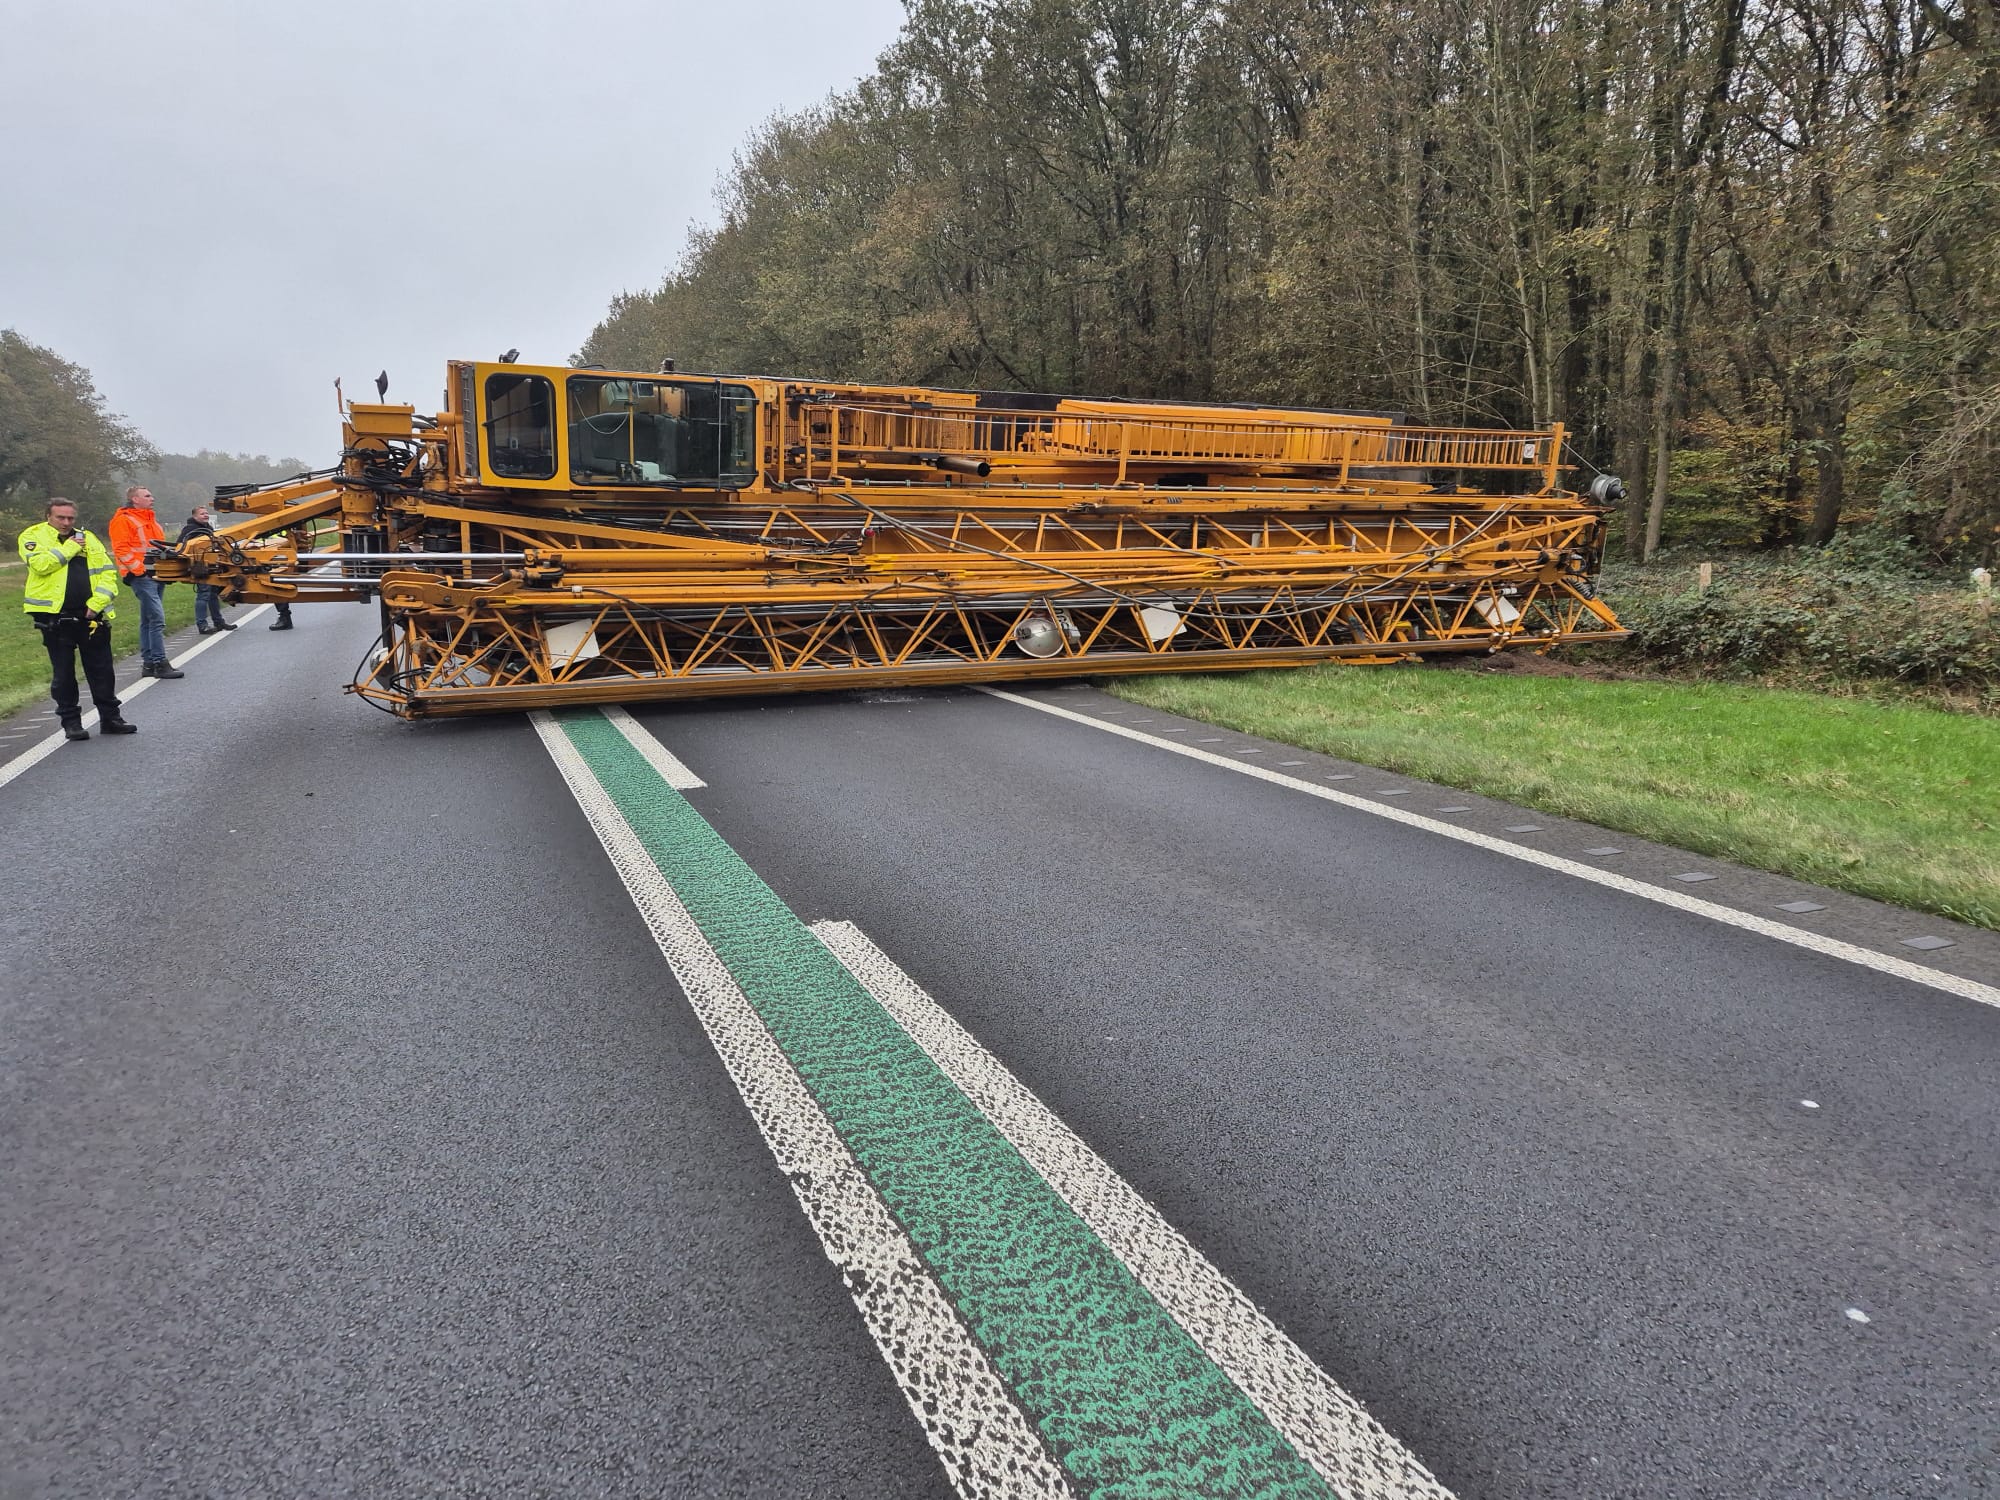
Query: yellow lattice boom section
x=561, y=535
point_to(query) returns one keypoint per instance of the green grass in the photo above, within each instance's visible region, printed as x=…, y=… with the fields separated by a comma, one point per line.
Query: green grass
x=24, y=663
x=1899, y=803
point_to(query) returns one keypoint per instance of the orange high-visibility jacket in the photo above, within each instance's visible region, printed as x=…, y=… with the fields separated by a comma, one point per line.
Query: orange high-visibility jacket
x=131, y=529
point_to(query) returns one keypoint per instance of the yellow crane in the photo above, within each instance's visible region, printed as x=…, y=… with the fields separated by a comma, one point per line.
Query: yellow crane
x=559, y=535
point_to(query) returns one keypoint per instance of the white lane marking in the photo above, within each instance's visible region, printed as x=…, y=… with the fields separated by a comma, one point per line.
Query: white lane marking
x=36, y=753
x=40, y=751
x=1329, y=1428
x=673, y=771
x=1798, y=937
x=218, y=637
x=979, y=1433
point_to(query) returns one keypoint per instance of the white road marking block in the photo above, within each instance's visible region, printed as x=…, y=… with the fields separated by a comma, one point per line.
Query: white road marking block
x=967, y=1413
x=670, y=766
x=1798, y=937
x=1328, y=1427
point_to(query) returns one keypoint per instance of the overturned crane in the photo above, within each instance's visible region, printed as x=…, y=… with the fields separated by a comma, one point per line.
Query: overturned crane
x=561, y=535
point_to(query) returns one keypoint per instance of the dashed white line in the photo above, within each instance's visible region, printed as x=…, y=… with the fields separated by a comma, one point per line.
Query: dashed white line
x=672, y=769
x=1798, y=937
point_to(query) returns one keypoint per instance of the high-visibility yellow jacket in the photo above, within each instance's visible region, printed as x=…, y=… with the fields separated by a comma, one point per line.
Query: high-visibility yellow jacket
x=47, y=557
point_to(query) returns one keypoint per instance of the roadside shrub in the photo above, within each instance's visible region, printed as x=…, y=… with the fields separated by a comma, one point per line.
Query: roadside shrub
x=1858, y=610
x=1723, y=629
x=1943, y=641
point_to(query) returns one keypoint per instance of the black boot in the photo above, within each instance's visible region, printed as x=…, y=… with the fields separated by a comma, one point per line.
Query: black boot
x=112, y=723
x=204, y=630
x=72, y=727
x=282, y=625
x=164, y=669
x=225, y=625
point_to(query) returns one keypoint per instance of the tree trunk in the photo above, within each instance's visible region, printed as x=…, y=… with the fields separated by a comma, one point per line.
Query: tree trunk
x=1664, y=405
x=1830, y=493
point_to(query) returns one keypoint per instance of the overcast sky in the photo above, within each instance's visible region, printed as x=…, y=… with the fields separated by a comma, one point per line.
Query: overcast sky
x=217, y=206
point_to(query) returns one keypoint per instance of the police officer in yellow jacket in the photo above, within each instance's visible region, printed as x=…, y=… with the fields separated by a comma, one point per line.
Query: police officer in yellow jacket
x=71, y=583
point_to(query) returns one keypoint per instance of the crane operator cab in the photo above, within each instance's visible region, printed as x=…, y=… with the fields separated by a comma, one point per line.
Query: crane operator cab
x=613, y=432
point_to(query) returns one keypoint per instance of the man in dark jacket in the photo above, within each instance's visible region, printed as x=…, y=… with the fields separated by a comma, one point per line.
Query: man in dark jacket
x=301, y=538
x=207, y=597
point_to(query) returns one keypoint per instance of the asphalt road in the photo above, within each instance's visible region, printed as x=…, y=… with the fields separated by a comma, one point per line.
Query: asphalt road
x=355, y=1138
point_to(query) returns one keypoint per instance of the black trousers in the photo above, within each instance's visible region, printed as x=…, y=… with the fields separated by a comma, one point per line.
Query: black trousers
x=67, y=639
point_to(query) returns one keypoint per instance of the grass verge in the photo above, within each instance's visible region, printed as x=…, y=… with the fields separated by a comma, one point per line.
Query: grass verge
x=24, y=661
x=1895, y=802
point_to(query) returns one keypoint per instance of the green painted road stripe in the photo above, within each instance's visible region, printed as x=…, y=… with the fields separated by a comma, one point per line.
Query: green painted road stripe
x=1126, y=1400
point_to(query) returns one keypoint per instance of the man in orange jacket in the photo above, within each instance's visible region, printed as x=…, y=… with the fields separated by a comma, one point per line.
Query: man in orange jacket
x=134, y=527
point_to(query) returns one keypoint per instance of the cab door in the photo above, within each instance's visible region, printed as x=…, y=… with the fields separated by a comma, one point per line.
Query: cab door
x=518, y=420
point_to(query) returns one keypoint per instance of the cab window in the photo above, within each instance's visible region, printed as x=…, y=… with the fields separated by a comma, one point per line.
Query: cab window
x=520, y=427
x=667, y=433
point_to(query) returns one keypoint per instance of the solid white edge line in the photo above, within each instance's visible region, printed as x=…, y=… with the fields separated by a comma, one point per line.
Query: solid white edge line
x=980, y=1434
x=42, y=749
x=215, y=638
x=1332, y=1431
x=1798, y=937
x=672, y=769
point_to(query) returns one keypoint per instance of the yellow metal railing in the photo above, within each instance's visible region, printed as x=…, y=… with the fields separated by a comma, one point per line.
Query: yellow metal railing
x=828, y=437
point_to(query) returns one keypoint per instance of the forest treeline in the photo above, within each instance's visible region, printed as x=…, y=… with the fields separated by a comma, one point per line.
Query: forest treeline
x=58, y=436
x=1745, y=249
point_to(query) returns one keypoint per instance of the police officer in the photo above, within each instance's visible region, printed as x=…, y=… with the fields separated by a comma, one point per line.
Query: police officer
x=71, y=583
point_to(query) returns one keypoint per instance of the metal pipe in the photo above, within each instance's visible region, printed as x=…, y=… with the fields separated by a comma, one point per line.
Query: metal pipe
x=415, y=559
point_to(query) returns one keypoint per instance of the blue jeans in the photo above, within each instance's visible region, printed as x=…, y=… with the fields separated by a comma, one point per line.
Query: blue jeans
x=207, y=606
x=152, y=618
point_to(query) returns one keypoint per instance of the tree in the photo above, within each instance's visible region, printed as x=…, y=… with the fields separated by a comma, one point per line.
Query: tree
x=181, y=481
x=1732, y=227
x=56, y=438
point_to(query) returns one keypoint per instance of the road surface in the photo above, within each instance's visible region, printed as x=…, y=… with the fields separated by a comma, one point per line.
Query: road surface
x=359, y=1138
